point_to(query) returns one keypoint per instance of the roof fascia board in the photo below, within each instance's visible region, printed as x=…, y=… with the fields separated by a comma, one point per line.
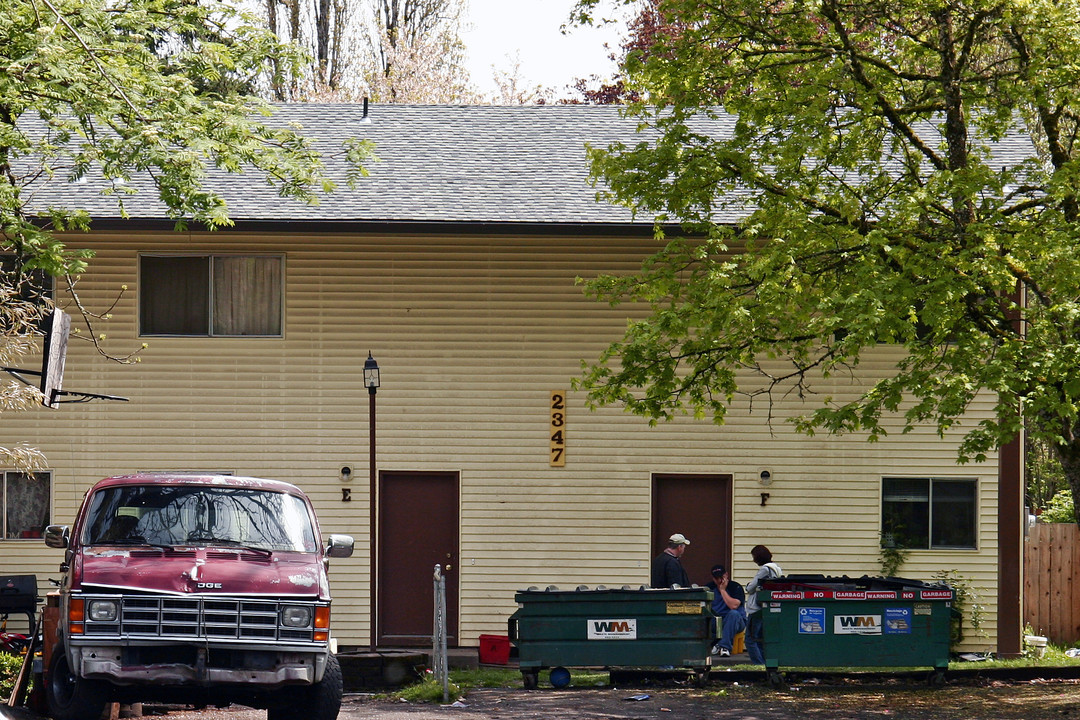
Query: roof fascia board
x=394, y=227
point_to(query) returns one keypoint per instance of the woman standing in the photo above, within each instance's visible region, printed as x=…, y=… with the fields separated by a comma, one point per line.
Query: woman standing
x=767, y=570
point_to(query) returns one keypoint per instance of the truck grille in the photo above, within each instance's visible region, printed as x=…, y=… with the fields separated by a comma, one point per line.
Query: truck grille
x=197, y=618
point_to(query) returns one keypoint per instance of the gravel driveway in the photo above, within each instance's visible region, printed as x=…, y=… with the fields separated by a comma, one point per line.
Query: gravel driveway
x=1036, y=699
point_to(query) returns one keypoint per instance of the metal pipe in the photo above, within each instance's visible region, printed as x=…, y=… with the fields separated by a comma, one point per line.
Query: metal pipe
x=373, y=515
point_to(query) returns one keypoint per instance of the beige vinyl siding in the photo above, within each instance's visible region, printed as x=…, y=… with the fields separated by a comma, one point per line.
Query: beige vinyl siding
x=471, y=335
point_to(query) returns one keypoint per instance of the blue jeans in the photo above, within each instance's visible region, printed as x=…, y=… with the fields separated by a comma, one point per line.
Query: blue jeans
x=755, y=641
x=731, y=624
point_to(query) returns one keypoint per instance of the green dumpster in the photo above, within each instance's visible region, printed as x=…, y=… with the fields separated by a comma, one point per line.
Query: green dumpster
x=819, y=621
x=642, y=627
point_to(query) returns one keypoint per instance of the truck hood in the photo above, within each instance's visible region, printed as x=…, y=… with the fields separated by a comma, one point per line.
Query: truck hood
x=189, y=570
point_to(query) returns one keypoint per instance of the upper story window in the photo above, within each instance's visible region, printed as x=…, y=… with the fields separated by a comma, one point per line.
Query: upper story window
x=211, y=295
x=928, y=513
x=27, y=501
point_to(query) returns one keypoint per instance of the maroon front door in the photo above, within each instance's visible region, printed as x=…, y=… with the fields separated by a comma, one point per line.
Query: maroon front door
x=418, y=529
x=699, y=507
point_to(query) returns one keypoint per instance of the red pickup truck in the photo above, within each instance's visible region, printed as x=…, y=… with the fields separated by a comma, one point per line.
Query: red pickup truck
x=203, y=590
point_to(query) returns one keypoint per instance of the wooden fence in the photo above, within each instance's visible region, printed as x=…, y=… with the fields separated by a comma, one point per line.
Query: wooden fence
x=1051, y=598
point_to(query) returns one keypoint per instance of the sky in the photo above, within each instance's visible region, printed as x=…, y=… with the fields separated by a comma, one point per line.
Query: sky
x=529, y=30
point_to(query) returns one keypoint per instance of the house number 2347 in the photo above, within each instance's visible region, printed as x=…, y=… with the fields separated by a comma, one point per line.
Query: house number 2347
x=558, y=429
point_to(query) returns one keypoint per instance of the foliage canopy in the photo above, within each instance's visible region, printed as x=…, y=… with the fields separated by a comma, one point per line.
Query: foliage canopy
x=860, y=143
x=103, y=91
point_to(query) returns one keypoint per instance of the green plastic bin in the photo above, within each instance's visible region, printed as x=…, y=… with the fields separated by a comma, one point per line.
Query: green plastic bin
x=642, y=627
x=818, y=621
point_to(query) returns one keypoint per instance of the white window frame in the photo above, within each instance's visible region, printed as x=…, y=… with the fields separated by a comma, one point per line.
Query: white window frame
x=932, y=480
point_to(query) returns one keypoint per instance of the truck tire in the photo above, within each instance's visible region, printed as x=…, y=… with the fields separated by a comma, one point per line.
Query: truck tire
x=321, y=701
x=70, y=697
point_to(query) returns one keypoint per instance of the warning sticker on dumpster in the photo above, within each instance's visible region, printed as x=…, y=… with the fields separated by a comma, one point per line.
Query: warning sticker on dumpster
x=850, y=594
x=613, y=629
x=936, y=594
x=897, y=621
x=684, y=607
x=811, y=621
x=857, y=625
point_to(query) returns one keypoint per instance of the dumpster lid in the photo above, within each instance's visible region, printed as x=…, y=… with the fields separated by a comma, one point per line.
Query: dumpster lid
x=693, y=592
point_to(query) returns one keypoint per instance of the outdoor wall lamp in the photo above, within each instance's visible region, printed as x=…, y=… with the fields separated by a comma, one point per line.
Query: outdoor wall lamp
x=371, y=374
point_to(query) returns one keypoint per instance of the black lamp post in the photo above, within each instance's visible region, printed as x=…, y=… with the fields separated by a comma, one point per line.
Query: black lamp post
x=371, y=382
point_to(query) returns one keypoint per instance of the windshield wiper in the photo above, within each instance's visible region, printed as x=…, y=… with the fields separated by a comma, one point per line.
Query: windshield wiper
x=210, y=540
x=132, y=540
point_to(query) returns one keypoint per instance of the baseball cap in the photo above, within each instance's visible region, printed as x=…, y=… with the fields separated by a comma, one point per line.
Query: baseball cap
x=678, y=539
x=718, y=570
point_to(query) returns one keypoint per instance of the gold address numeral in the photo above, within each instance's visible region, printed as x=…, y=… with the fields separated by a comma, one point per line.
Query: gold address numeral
x=558, y=429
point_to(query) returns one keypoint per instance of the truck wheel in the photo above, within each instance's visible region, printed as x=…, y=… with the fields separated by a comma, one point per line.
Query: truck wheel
x=70, y=697
x=321, y=701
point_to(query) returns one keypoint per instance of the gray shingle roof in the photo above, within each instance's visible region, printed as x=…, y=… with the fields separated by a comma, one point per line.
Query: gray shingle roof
x=439, y=164
x=472, y=164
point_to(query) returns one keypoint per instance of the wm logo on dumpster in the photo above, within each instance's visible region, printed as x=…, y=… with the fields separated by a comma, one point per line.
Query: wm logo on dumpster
x=857, y=625
x=621, y=629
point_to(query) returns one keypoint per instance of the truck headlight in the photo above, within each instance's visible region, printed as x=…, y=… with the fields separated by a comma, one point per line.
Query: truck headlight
x=102, y=610
x=296, y=616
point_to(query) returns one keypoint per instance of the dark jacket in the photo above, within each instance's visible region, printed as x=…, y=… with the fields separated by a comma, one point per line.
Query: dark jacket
x=735, y=592
x=668, y=571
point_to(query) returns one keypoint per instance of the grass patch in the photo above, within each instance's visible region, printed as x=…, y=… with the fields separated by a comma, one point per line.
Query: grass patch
x=511, y=678
x=1053, y=657
x=429, y=690
x=461, y=681
x=486, y=678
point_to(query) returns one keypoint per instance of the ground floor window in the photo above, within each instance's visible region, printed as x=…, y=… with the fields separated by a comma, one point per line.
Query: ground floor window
x=27, y=502
x=925, y=513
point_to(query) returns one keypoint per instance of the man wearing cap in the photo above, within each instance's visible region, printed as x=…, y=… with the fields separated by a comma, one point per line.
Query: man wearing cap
x=727, y=605
x=667, y=569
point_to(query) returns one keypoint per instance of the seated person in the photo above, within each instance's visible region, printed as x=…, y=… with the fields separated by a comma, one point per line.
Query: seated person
x=727, y=604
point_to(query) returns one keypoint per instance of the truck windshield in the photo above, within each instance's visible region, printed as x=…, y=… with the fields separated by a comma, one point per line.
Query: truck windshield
x=199, y=515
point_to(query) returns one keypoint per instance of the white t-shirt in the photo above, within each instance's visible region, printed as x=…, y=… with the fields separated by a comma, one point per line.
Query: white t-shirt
x=768, y=571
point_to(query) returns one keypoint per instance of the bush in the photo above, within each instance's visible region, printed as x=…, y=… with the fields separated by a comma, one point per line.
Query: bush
x=9, y=671
x=966, y=599
x=1060, y=509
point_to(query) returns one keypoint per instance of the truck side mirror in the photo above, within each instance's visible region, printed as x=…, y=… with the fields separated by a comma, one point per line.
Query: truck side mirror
x=57, y=536
x=339, y=546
